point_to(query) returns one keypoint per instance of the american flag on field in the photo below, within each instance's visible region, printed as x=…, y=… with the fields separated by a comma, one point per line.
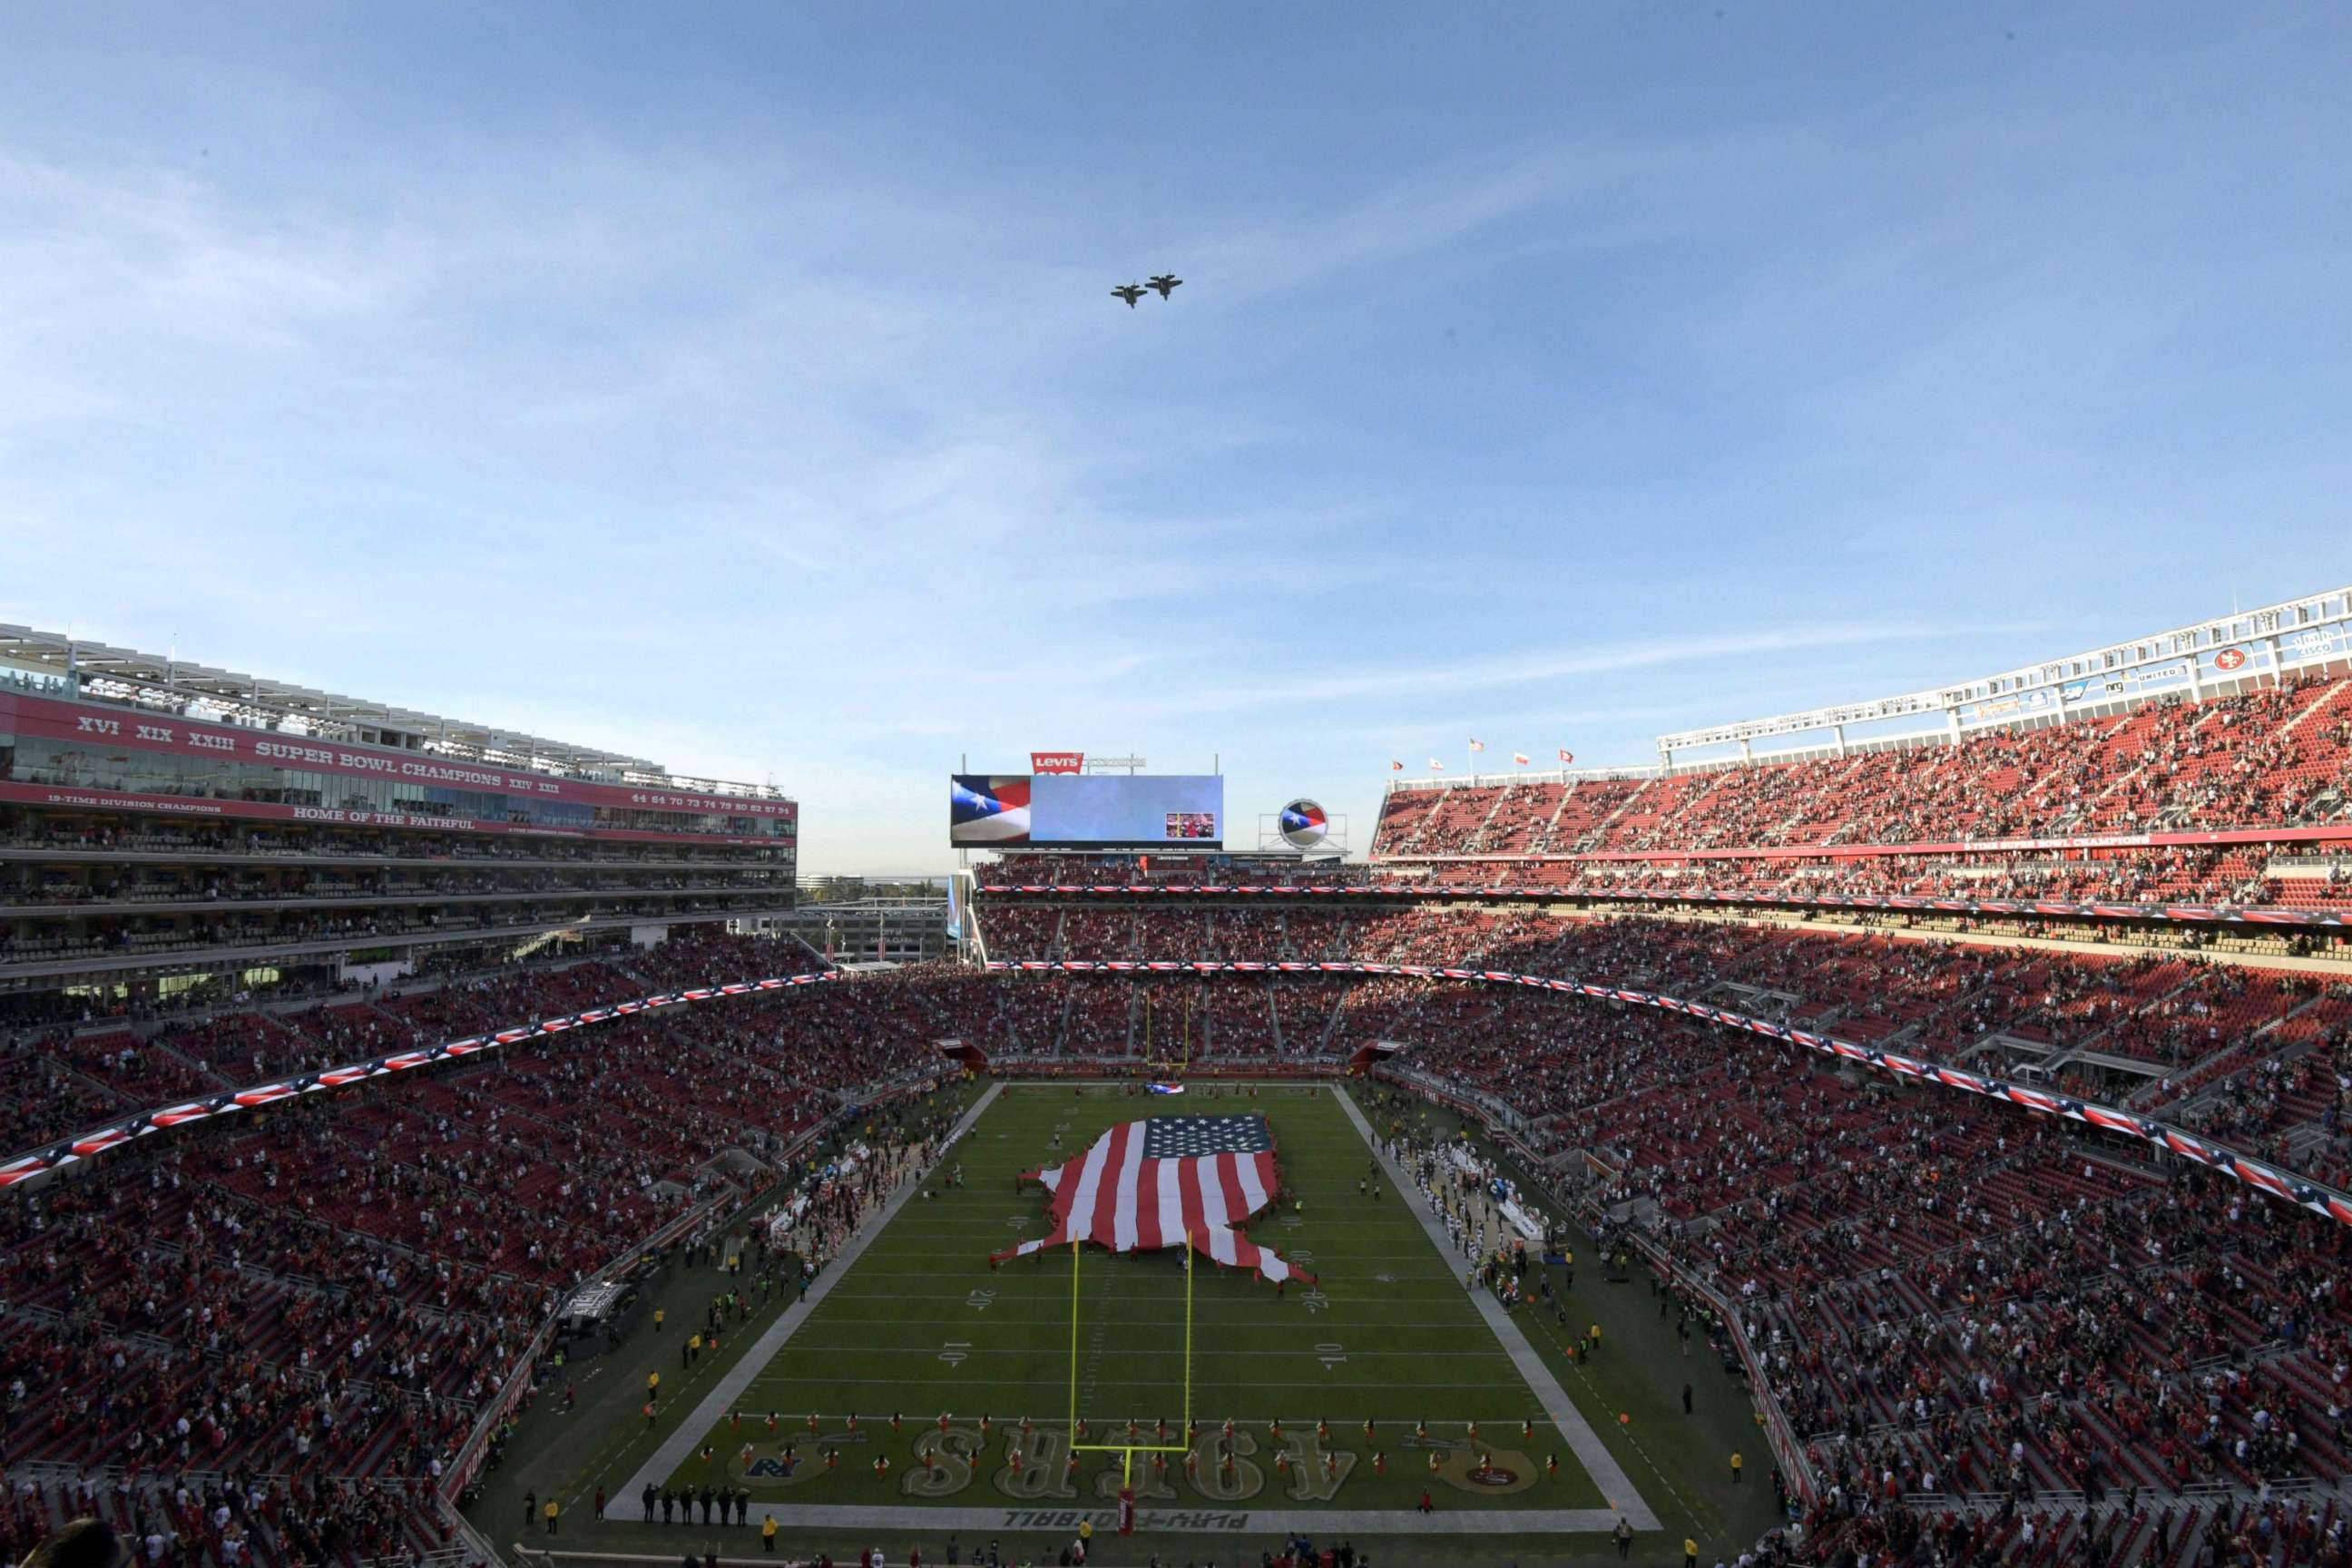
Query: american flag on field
x=1167, y=1181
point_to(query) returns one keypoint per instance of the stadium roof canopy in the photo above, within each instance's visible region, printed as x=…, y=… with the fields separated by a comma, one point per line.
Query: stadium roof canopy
x=2219, y=654
x=2217, y=657
x=169, y=684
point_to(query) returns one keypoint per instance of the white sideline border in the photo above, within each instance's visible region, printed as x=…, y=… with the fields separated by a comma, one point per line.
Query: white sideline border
x=1203, y=1518
x=676, y=1448
x=1582, y=1440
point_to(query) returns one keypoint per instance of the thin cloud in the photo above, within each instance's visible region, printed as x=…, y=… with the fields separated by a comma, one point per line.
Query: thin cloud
x=805, y=442
x=1558, y=663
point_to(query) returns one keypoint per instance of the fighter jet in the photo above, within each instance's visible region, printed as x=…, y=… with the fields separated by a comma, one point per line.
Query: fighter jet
x=1167, y=283
x=1130, y=292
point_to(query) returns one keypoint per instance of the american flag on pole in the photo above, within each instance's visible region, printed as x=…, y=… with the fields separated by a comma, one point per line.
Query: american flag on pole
x=1566, y=755
x=1163, y=1181
x=1477, y=745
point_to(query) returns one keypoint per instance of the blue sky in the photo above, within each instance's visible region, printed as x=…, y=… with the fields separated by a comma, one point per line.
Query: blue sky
x=739, y=385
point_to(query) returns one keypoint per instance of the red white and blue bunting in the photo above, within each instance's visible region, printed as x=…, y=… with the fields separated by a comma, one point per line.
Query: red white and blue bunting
x=2041, y=908
x=2277, y=1181
x=88, y=1145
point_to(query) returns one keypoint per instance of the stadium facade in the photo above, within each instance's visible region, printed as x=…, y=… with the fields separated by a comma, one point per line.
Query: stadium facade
x=2241, y=651
x=172, y=835
x=2230, y=734
x=2050, y=1001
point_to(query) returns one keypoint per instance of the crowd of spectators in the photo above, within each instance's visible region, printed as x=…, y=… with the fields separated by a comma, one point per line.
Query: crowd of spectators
x=1949, y=1296
x=2170, y=876
x=1946, y=1297
x=2264, y=1054
x=36, y=945
x=232, y=842
x=1038, y=868
x=303, y=1310
x=2274, y=757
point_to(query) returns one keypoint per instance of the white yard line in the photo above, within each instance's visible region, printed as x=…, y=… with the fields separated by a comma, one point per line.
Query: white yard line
x=687, y=1434
x=1582, y=1440
x=1206, y=1518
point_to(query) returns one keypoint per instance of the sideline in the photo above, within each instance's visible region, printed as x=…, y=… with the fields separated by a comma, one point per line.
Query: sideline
x=689, y=1433
x=1207, y=1519
x=1582, y=1440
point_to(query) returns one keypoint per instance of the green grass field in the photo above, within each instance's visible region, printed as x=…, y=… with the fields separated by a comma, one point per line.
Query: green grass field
x=921, y=1326
x=1393, y=1305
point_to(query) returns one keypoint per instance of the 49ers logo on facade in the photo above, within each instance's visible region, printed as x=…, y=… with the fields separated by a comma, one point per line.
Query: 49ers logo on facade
x=2230, y=658
x=1057, y=762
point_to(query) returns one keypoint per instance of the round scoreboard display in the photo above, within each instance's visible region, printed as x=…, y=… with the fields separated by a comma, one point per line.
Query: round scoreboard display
x=1304, y=826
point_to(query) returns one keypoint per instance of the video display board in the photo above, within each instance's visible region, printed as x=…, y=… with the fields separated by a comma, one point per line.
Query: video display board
x=1087, y=811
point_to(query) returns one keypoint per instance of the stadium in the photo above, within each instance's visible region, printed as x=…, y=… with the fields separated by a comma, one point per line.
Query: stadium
x=1912, y=1126
x=985, y=1045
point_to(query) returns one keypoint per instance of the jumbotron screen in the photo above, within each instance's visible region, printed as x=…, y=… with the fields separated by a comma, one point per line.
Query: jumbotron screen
x=1087, y=811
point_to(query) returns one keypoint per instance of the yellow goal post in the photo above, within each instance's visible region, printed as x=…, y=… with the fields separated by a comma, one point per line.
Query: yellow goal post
x=1127, y=1451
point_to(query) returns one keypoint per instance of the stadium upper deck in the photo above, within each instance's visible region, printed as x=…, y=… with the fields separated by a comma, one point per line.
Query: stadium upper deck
x=171, y=831
x=2209, y=766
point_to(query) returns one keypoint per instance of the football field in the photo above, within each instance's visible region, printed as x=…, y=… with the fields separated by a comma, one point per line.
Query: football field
x=1385, y=1379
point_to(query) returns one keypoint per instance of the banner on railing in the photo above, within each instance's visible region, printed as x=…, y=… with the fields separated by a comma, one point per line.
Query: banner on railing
x=2282, y=1184
x=2048, y=909
x=88, y=1145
